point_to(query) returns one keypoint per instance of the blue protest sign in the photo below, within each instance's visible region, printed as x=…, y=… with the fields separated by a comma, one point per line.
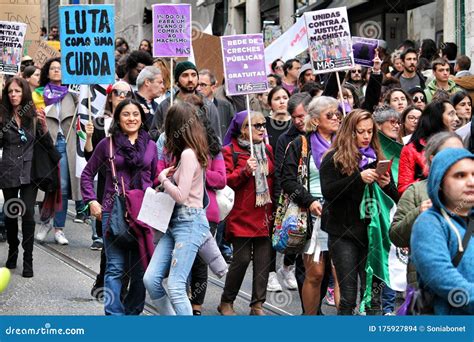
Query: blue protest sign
x=87, y=44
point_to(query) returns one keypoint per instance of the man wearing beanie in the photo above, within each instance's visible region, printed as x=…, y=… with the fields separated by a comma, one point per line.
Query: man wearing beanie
x=186, y=77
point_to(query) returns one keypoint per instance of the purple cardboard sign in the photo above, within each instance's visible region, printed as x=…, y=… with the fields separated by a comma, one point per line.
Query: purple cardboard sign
x=364, y=50
x=244, y=64
x=171, y=30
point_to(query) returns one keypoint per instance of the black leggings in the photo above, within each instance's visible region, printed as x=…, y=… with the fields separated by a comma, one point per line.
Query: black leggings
x=20, y=201
x=349, y=258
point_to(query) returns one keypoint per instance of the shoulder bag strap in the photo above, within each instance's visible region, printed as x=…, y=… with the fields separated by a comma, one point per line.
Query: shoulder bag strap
x=112, y=165
x=465, y=242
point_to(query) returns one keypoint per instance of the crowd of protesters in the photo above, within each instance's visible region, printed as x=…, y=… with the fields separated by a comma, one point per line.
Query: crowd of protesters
x=407, y=108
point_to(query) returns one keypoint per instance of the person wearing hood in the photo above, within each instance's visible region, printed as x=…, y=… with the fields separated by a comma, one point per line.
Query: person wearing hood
x=251, y=219
x=438, y=233
x=306, y=75
x=415, y=199
x=441, y=69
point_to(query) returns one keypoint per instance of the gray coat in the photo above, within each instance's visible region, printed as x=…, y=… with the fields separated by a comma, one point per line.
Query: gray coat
x=17, y=156
x=68, y=108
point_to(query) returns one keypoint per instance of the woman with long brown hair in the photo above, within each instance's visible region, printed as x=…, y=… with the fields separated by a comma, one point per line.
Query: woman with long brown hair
x=17, y=139
x=186, y=142
x=345, y=170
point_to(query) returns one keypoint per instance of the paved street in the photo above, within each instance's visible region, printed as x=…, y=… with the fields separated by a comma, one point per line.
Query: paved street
x=64, y=276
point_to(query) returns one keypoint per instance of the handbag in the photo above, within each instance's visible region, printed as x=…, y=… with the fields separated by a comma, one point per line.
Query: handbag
x=291, y=221
x=225, y=201
x=119, y=231
x=420, y=301
x=44, y=166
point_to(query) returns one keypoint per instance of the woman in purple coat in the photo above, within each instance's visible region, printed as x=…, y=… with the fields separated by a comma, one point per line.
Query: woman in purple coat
x=135, y=159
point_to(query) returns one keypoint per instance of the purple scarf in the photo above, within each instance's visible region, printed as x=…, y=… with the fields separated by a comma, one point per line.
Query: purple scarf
x=53, y=94
x=368, y=157
x=234, y=127
x=319, y=146
x=133, y=155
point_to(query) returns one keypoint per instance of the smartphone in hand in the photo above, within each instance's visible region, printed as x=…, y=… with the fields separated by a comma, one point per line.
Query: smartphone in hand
x=383, y=166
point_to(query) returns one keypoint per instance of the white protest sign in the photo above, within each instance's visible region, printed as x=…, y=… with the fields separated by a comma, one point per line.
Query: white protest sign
x=288, y=45
x=157, y=208
x=12, y=36
x=329, y=40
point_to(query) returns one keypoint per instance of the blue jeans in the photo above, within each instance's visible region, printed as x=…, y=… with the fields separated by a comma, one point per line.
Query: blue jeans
x=117, y=261
x=224, y=246
x=174, y=257
x=60, y=216
x=388, y=299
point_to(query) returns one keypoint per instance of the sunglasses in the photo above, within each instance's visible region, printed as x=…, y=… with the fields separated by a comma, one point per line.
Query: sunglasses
x=420, y=98
x=259, y=126
x=125, y=93
x=23, y=137
x=356, y=71
x=331, y=115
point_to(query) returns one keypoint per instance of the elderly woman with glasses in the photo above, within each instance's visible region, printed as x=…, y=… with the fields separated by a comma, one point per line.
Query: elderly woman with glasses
x=388, y=122
x=250, y=221
x=322, y=123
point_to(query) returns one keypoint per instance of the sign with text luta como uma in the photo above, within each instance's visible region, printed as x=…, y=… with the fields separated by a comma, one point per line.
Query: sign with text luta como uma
x=87, y=44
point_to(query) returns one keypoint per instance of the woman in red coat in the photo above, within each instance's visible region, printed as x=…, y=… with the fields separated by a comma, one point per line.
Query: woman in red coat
x=250, y=221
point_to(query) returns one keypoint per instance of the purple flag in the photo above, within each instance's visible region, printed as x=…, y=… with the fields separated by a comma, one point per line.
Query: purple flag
x=244, y=64
x=171, y=30
x=364, y=50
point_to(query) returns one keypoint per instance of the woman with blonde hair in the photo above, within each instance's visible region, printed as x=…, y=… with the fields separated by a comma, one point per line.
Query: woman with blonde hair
x=322, y=123
x=345, y=171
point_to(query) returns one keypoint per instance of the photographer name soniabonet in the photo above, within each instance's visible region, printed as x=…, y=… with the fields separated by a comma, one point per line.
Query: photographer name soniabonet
x=445, y=328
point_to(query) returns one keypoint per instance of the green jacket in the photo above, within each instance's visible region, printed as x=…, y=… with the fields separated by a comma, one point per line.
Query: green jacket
x=408, y=209
x=432, y=87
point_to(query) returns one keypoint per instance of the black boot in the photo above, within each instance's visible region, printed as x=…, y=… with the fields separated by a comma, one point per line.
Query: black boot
x=12, y=258
x=27, y=244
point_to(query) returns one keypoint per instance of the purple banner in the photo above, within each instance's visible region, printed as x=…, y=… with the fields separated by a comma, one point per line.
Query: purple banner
x=364, y=50
x=171, y=30
x=244, y=64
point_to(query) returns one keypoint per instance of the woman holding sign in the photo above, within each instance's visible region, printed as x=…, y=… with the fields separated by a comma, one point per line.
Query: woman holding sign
x=186, y=143
x=135, y=160
x=250, y=221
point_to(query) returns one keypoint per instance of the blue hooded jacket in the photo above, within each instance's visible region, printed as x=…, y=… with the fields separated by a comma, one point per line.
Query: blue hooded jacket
x=434, y=243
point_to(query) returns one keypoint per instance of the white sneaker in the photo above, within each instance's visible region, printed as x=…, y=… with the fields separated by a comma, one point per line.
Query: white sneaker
x=60, y=238
x=43, y=231
x=288, y=276
x=273, y=283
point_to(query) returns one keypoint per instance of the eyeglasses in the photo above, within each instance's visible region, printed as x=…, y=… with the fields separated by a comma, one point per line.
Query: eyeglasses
x=23, y=137
x=259, y=126
x=55, y=69
x=331, y=115
x=279, y=67
x=204, y=85
x=394, y=122
x=420, y=98
x=412, y=118
x=356, y=71
x=125, y=93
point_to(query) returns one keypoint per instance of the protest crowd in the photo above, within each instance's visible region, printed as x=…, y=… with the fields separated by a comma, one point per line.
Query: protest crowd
x=359, y=175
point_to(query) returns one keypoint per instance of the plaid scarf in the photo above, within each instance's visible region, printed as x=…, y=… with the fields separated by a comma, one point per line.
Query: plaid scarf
x=262, y=190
